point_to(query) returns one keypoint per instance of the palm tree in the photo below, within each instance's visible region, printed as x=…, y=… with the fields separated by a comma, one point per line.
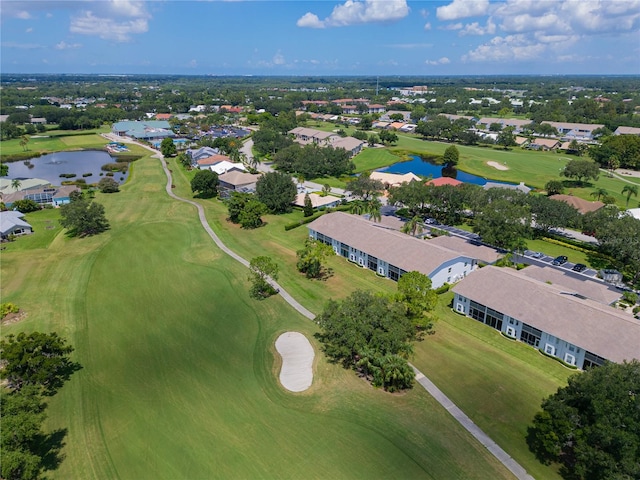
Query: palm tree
x=372, y=207
x=413, y=226
x=357, y=207
x=630, y=190
x=326, y=189
x=16, y=184
x=600, y=192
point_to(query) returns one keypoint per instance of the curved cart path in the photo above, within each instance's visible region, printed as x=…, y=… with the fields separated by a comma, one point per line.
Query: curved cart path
x=502, y=456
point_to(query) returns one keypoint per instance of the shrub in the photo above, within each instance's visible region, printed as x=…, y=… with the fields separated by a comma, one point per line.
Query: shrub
x=630, y=297
x=443, y=289
x=67, y=175
x=87, y=174
x=7, y=308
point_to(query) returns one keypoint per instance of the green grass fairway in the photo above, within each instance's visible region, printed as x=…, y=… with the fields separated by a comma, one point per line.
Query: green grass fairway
x=179, y=375
x=455, y=349
x=498, y=382
x=372, y=158
x=56, y=141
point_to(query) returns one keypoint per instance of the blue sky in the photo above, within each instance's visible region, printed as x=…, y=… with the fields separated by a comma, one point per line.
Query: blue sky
x=330, y=37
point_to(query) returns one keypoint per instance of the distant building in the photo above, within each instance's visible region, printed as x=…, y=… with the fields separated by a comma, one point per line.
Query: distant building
x=581, y=205
x=520, y=187
x=147, y=130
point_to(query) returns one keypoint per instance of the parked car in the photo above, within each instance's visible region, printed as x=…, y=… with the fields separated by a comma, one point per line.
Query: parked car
x=579, y=267
x=537, y=254
x=561, y=260
x=430, y=221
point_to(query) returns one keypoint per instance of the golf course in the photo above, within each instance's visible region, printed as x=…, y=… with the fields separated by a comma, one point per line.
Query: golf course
x=179, y=369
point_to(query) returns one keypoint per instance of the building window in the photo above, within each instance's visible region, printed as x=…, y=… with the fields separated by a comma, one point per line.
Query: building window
x=372, y=263
x=511, y=332
x=449, y=271
x=460, y=308
x=592, y=360
x=530, y=335
x=570, y=359
x=549, y=349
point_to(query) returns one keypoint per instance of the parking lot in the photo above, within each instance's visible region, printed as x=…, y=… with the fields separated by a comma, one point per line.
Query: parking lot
x=545, y=260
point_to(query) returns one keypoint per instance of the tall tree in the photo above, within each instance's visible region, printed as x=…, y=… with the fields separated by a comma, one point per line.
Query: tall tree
x=308, y=206
x=39, y=359
x=413, y=226
x=83, y=218
x=205, y=183
x=263, y=269
x=415, y=292
x=364, y=187
x=581, y=170
x=277, y=191
x=4, y=169
x=311, y=257
x=591, y=427
x=168, y=148
x=451, y=156
x=630, y=190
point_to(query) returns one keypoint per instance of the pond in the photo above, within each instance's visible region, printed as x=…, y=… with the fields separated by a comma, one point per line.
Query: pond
x=426, y=168
x=49, y=167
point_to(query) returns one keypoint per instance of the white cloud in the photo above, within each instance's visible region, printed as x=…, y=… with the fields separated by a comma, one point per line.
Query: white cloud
x=357, y=12
x=23, y=15
x=452, y=26
x=440, y=61
x=533, y=29
x=310, y=20
x=424, y=13
x=427, y=26
x=512, y=48
x=463, y=9
x=278, y=59
x=476, y=29
x=107, y=28
x=192, y=64
x=66, y=46
x=28, y=30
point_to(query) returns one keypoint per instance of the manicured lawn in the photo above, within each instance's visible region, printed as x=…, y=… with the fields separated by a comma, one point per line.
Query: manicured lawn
x=372, y=158
x=46, y=226
x=179, y=375
x=506, y=359
x=498, y=382
x=56, y=141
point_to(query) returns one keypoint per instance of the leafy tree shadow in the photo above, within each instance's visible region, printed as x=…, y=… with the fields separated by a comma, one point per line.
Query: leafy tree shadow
x=48, y=448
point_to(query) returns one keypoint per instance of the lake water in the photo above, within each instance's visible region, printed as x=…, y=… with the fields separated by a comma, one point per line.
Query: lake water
x=49, y=167
x=426, y=168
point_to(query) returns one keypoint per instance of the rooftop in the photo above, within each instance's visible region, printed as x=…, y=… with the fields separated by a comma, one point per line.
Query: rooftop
x=554, y=309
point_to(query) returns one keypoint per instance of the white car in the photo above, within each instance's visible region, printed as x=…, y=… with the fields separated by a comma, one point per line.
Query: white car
x=537, y=254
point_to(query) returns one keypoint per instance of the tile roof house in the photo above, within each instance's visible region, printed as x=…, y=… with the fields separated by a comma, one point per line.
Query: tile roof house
x=581, y=205
x=200, y=153
x=438, y=182
x=207, y=162
x=12, y=223
x=555, y=319
x=317, y=201
x=516, y=123
x=394, y=179
x=387, y=252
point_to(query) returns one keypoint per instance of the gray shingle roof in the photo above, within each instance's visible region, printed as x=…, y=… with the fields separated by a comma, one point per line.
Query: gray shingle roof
x=585, y=323
x=403, y=251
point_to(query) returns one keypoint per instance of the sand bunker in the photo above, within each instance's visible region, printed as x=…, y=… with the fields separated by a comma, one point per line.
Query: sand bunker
x=297, y=361
x=497, y=166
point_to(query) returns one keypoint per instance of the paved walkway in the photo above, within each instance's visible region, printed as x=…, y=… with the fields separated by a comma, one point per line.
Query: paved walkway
x=427, y=384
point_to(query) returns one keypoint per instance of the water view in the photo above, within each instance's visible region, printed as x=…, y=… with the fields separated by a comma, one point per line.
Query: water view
x=426, y=168
x=50, y=167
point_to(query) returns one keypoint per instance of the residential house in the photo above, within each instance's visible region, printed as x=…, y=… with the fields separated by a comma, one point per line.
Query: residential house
x=574, y=131
x=521, y=141
x=304, y=136
x=200, y=153
x=237, y=181
x=224, y=166
x=387, y=252
x=394, y=179
x=54, y=196
x=544, y=144
x=207, y=162
x=317, y=201
x=6, y=186
x=517, y=124
x=581, y=205
x=376, y=108
x=163, y=116
x=352, y=145
x=520, y=187
x=406, y=116
x=349, y=109
x=12, y=223
x=438, y=182
x=415, y=90
x=627, y=131
x=556, y=320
